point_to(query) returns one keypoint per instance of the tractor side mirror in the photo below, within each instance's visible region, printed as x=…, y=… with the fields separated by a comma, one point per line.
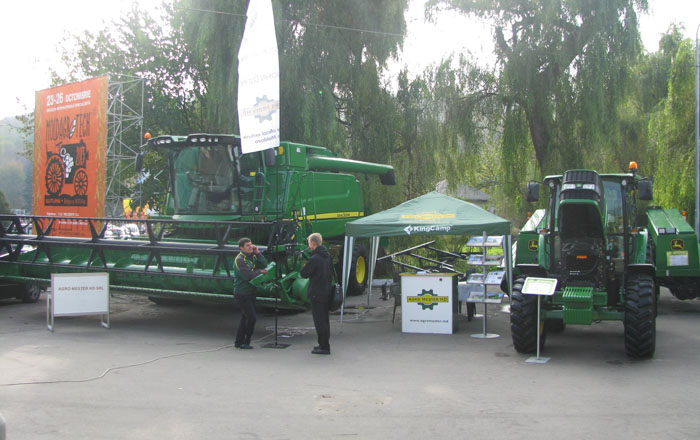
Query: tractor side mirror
x=533, y=191
x=646, y=191
x=139, y=162
x=269, y=157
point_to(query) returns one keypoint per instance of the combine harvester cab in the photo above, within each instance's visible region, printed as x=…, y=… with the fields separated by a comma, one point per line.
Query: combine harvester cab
x=608, y=255
x=217, y=195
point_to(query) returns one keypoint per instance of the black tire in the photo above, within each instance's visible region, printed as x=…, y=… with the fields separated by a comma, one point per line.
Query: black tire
x=30, y=293
x=523, y=320
x=359, y=270
x=640, y=317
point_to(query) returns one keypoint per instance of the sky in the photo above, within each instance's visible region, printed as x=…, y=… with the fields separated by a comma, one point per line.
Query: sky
x=33, y=30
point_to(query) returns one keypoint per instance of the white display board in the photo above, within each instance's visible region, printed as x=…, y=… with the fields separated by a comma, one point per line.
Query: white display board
x=428, y=303
x=539, y=286
x=77, y=294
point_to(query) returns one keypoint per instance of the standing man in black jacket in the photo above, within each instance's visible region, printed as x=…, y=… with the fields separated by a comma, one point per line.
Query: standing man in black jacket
x=320, y=273
x=249, y=264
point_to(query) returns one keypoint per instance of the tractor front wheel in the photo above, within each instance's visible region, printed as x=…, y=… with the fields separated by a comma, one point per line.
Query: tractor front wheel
x=30, y=293
x=640, y=319
x=523, y=320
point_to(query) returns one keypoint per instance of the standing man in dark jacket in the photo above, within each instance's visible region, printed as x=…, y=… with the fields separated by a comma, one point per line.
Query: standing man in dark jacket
x=249, y=264
x=320, y=273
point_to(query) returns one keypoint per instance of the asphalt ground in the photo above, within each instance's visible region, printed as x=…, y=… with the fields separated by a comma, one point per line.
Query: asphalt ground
x=170, y=372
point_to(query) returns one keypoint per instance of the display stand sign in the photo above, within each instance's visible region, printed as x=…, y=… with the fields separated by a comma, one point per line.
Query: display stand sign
x=78, y=294
x=428, y=303
x=540, y=287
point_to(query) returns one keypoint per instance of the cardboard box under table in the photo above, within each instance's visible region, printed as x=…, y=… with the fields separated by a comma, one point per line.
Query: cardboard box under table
x=429, y=303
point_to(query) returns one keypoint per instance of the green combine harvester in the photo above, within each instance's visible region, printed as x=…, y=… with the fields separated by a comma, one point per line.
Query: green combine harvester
x=216, y=196
x=609, y=254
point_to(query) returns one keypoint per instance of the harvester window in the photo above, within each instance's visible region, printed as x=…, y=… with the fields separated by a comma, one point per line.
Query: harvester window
x=248, y=166
x=205, y=181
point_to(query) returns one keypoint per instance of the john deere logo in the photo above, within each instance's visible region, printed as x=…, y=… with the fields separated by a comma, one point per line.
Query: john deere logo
x=532, y=245
x=677, y=244
x=427, y=299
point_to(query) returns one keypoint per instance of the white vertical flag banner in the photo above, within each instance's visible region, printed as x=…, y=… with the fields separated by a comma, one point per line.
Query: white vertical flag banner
x=258, y=80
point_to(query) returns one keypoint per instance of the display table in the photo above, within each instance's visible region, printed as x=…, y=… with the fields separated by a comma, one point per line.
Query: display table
x=429, y=303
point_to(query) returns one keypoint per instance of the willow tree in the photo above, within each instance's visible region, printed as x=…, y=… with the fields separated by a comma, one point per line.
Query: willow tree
x=331, y=53
x=564, y=68
x=672, y=132
x=139, y=45
x=646, y=100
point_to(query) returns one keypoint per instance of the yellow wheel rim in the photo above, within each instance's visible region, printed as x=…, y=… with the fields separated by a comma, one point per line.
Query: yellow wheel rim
x=360, y=269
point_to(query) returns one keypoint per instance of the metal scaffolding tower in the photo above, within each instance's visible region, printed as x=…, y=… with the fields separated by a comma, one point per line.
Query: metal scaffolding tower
x=124, y=134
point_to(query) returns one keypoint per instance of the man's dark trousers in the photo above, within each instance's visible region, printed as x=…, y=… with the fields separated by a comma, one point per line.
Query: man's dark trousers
x=247, y=323
x=319, y=311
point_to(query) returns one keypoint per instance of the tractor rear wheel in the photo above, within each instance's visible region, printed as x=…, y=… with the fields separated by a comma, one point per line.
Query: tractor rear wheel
x=640, y=319
x=359, y=270
x=523, y=320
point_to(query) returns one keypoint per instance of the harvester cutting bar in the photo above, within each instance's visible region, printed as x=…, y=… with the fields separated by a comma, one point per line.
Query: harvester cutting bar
x=142, y=253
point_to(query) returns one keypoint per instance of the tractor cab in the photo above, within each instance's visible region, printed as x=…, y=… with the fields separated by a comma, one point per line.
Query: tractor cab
x=594, y=215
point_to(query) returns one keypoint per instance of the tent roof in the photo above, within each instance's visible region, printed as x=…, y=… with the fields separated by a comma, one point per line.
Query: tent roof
x=429, y=214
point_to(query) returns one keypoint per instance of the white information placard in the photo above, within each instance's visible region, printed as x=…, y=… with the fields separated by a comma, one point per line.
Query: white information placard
x=76, y=294
x=539, y=286
x=677, y=258
x=428, y=303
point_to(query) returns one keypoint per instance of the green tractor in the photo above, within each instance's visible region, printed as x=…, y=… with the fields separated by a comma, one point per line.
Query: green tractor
x=216, y=195
x=609, y=254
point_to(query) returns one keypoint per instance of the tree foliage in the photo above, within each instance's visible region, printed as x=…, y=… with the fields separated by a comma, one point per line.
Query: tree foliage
x=571, y=89
x=15, y=169
x=672, y=133
x=564, y=67
x=4, y=206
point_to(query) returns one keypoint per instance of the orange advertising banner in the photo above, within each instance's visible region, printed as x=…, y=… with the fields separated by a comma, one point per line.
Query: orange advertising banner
x=70, y=146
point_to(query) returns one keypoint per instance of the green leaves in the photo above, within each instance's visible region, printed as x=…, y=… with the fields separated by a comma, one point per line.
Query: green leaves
x=672, y=131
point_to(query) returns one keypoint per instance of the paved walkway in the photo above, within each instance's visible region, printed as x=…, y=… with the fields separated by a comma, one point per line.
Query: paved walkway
x=174, y=376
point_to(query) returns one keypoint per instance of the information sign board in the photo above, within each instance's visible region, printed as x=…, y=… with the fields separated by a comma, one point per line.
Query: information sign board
x=428, y=303
x=78, y=294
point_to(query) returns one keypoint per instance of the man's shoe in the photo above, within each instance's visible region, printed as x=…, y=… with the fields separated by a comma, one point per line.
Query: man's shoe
x=244, y=346
x=320, y=351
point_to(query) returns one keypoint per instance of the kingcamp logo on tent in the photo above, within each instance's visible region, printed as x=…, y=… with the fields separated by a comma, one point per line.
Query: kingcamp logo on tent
x=431, y=228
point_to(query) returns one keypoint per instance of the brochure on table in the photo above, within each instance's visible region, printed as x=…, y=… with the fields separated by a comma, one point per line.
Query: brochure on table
x=476, y=282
